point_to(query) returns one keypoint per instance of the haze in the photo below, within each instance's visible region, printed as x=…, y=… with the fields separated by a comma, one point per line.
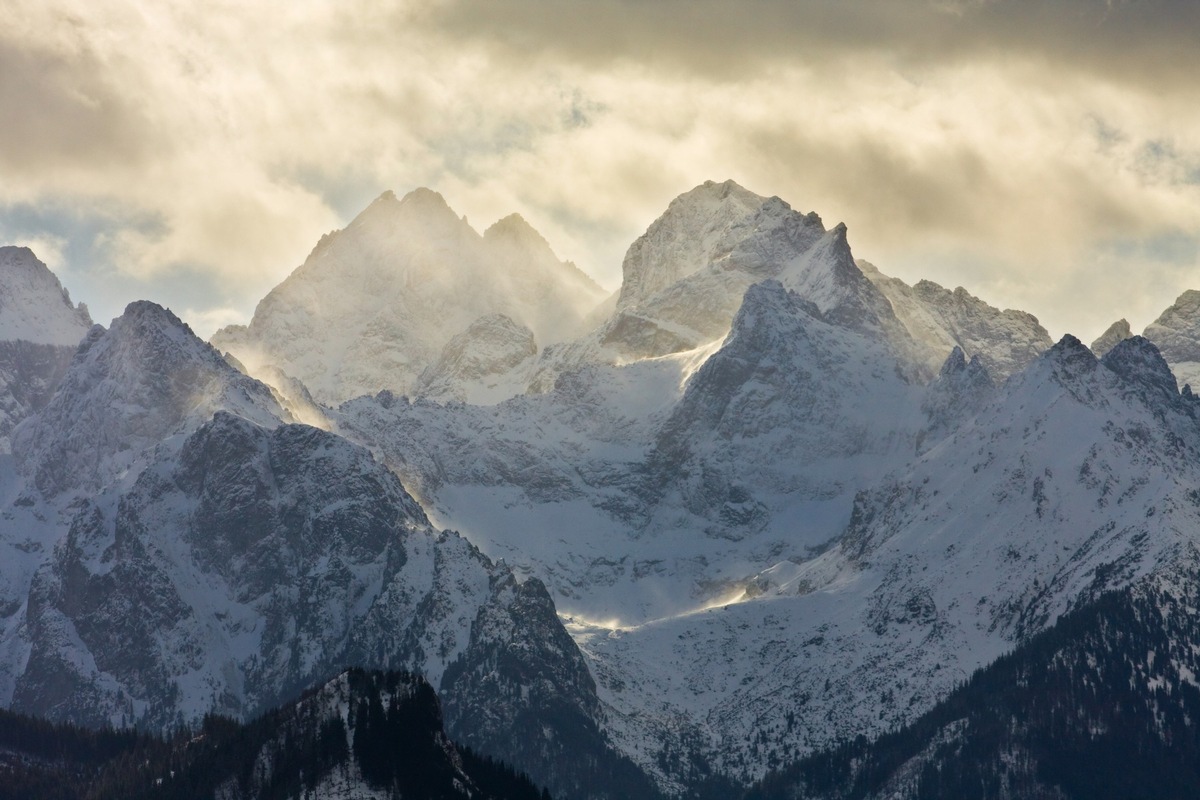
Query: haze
x=1046, y=155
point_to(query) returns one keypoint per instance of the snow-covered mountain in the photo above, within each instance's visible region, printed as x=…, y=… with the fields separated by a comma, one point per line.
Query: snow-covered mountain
x=374, y=304
x=34, y=307
x=699, y=514
x=684, y=278
x=778, y=498
x=1078, y=478
x=939, y=320
x=758, y=438
x=39, y=330
x=173, y=544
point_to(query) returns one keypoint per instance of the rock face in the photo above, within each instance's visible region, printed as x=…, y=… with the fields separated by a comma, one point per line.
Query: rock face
x=938, y=320
x=684, y=279
x=1117, y=332
x=39, y=331
x=374, y=304
x=174, y=546
x=1176, y=333
x=488, y=362
x=34, y=307
x=129, y=388
x=794, y=395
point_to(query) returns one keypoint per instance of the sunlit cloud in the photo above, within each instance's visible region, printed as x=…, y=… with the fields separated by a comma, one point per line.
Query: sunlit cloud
x=1032, y=152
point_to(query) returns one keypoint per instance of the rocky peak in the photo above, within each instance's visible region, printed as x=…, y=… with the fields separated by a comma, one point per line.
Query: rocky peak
x=129, y=387
x=1117, y=332
x=1176, y=332
x=1138, y=361
x=959, y=391
x=1070, y=359
x=474, y=364
x=34, y=306
x=827, y=275
x=690, y=234
x=420, y=210
x=955, y=363
x=514, y=228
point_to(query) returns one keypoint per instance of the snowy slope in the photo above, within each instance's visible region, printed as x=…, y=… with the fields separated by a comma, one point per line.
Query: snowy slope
x=39, y=331
x=374, y=304
x=128, y=389
x=34, y=307
x=938, y=320
x=174, y=546
x=1078, y=478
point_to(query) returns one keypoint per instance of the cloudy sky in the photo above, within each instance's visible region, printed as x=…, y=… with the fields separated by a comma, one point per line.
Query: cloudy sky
x=1045, y=154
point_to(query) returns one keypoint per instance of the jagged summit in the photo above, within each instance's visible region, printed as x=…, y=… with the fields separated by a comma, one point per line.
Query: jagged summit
x=955, y=362
x=146, y=318
x=959, y=391
x=1136, y=359
x=690, y=234
x=938, y=319
x=1117, y=332
x=514, y=226
x=374, y=304
x=34, y=306
x=1071, y=355
x=128, y=387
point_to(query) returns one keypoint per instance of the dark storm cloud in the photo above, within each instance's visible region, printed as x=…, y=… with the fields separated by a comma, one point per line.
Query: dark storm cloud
x=60, y=111
x=1147, y=41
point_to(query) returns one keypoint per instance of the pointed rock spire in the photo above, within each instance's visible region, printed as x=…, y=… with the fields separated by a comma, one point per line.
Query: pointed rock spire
x=1117, y=332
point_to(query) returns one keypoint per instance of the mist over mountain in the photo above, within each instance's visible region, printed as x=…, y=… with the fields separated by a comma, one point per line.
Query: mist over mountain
x=764, y=501
x=374, y=303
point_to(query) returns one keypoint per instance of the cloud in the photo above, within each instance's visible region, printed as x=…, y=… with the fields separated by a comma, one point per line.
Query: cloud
x=1000, y=144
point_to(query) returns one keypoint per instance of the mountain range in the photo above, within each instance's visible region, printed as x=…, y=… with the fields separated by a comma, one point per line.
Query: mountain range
x=763, y=501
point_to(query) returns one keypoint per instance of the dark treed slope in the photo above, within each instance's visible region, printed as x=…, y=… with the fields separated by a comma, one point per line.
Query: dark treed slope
x=363, y=734
x=1102, y=705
